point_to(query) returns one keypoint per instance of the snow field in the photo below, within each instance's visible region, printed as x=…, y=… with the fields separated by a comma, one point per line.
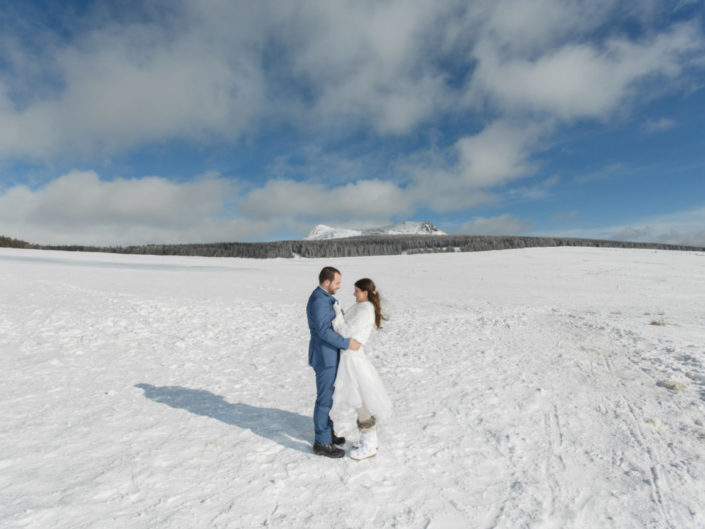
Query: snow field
x=530, y=390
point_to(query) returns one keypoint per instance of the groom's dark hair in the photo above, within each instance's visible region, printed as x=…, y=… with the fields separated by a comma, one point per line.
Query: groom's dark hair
x=328, y=274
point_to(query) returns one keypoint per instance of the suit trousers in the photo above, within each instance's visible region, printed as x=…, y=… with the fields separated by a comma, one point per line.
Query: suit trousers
x=322, y=423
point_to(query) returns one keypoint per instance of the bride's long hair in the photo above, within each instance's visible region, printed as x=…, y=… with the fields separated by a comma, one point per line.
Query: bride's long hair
x=367, y=285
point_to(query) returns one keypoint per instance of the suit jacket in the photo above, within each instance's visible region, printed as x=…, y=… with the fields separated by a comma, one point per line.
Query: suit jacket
x=324, y=347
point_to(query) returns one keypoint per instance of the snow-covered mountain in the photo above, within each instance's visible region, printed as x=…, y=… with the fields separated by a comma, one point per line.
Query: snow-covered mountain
x=322, y=231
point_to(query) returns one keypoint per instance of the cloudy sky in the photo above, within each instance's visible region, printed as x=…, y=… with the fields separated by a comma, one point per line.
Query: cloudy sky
x=129, y=122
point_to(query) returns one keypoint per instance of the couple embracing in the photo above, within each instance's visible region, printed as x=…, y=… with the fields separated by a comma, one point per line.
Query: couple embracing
x=344, y=375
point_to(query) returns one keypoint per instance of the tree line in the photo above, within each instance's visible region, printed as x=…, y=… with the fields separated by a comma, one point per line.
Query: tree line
x=356, y=246
x=7, y=242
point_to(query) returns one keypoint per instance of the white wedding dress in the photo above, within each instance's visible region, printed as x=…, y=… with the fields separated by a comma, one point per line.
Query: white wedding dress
x=357, y=383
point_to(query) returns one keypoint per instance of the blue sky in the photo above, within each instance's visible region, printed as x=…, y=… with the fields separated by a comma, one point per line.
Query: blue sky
x=130, y=122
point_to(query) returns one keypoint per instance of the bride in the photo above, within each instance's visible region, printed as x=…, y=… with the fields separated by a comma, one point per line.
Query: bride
x=357, y=384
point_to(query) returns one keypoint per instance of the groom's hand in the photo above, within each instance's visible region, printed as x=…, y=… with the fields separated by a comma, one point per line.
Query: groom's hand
x=354, y=344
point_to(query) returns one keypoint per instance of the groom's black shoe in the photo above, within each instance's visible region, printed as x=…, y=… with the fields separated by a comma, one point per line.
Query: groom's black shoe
x=329, y=450
x=338, y=440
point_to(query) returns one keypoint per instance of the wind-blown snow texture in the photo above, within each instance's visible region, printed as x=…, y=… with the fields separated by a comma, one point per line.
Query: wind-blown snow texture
x=531, y=389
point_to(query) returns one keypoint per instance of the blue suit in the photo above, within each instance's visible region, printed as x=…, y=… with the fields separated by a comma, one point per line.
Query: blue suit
x=323, y=356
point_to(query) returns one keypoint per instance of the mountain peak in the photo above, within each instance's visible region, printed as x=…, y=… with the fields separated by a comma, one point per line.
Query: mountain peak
x=323, y=232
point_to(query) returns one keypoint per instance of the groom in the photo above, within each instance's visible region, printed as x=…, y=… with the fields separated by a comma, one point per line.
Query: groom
x=324, y=356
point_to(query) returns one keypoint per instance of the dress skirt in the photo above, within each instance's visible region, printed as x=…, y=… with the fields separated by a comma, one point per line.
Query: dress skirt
x=358, y=384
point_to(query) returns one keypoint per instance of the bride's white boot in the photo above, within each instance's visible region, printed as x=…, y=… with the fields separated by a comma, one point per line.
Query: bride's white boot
x=367, y=447
x=372, y=438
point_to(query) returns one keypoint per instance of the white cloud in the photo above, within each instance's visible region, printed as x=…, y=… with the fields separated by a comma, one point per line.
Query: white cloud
x=605, y=173
x=564, y=216
x=224, y=70
x=682, y=228
x=317, y=165
x=659, y=125
x=371, y=63
x=496, y=155
x=580, y=80
x=679, y=227
x=470, y=172
x=125, y=86
x=364, y=199
x=537, y=191
x=500, y=225
x=79, y=208
x=529, y=28
x=81, y=196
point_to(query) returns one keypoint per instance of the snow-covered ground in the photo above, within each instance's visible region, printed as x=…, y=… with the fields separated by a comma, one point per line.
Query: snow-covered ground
x=543, y=388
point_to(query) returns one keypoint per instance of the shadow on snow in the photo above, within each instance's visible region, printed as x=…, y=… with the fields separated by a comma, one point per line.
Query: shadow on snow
x=284, y=427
